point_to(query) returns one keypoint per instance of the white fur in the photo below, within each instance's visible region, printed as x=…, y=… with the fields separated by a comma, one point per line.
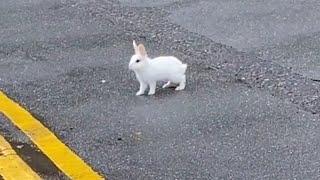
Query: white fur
x=149, y=71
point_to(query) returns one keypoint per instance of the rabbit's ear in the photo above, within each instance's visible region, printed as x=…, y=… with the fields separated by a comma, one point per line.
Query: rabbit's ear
x=142, y=50
x=135, y=47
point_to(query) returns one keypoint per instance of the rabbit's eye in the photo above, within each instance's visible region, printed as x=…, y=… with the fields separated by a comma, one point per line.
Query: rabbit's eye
x=137, y=60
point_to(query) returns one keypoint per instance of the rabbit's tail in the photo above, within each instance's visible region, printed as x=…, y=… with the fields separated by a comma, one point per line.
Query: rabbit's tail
x=184, y=68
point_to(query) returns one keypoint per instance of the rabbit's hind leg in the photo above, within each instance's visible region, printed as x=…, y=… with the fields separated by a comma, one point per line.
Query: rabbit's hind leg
x=182, y=83
x=167, y=85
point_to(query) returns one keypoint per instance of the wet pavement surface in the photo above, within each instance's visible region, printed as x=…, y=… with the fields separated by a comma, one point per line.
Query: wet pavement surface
x=250, y=109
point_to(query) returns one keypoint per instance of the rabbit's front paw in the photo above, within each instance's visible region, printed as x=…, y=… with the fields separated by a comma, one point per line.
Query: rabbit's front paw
x=151, y=93
x=179, y=88
x=139, y=93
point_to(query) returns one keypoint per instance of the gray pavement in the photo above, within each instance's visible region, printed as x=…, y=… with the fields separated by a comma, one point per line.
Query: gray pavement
x=283, y=31
x=251, y=106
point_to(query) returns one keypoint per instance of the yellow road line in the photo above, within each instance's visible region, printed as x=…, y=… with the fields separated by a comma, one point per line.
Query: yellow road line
x=12, y=166
x=66, y=160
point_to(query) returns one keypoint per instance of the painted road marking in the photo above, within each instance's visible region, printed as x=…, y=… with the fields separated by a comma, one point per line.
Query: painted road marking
x=12, y=166
x=66, y=160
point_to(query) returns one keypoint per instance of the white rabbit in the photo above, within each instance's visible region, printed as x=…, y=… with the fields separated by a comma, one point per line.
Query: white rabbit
x=149, y=71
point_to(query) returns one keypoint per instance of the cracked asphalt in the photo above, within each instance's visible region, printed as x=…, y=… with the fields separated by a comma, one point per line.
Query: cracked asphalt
x=250, y=109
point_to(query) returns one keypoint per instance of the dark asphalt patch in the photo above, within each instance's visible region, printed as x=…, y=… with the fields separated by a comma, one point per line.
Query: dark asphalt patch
x=29, y=152
x=37, y=161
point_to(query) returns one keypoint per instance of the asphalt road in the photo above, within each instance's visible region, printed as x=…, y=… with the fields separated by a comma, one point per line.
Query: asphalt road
x=250, y=109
